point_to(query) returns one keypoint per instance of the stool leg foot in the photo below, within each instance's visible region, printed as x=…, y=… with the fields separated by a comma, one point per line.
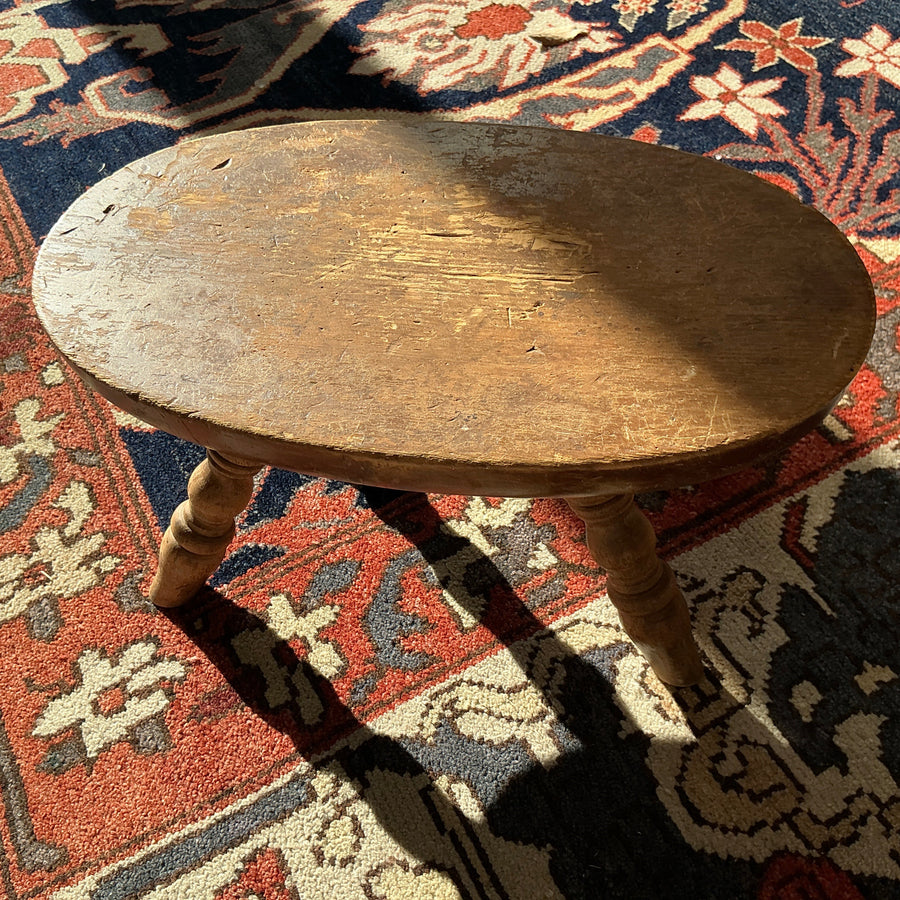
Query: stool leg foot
x=202, y=527
x=651, y=607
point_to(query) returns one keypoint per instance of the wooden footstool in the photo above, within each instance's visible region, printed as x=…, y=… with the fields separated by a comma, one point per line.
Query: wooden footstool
x=467, y=309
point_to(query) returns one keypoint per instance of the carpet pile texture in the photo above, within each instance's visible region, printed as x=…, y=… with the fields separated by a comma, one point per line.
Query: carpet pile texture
x=386, y=696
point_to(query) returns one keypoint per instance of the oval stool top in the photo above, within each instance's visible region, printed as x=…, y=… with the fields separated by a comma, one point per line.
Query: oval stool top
x=457, y=308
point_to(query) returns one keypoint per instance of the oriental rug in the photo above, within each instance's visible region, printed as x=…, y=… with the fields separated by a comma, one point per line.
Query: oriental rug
x=387, y=695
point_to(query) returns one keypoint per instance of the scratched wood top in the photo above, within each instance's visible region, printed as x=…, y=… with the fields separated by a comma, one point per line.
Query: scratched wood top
x=460, y=308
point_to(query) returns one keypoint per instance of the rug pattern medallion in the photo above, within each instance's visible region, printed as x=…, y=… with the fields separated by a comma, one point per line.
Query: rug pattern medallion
x=388, y=695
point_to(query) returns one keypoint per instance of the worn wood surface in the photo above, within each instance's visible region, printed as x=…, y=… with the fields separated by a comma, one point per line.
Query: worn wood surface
x=457, y=308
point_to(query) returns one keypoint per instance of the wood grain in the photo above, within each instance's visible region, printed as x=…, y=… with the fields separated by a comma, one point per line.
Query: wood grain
x=458, y=308
x=470, y=309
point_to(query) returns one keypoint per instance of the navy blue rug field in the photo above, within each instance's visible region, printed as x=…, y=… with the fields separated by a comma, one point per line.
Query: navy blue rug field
x=388, y=695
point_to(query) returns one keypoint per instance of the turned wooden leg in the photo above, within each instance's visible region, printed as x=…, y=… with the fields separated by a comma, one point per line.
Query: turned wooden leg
x=651, y=607
x=202, y=527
